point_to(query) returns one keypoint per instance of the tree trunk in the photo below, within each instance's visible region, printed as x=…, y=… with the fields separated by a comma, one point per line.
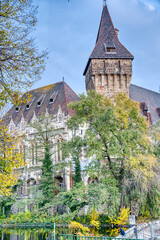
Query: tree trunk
x=122, y=194
x=122, y=184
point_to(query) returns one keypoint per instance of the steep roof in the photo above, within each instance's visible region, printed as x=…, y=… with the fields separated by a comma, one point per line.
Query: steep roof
x=150, y=98
x=60, y=93
x=107, y=37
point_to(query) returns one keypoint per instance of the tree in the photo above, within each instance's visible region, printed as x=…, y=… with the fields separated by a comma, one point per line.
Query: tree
x=20, y=63
x=117, y=135
x=102, y=195
x=74, y=150
x=44, y=134
x=155, y=134
x=20, y=66
x=10, y=159
x=47, y=182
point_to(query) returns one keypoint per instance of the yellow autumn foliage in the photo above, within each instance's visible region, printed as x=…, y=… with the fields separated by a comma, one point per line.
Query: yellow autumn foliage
x=122, y=219
x=10, y=160
x=124, y=108
x=78, y=228
x=142, y=167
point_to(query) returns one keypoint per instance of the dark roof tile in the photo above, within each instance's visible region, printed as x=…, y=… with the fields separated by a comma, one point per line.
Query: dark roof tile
x=62, y=94
x=107, y=37
x=148, y=99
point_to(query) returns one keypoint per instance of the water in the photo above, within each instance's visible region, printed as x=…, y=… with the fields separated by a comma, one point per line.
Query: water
x=45, y=233
x=26, y=234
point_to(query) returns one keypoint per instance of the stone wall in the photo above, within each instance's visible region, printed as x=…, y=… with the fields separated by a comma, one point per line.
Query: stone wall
x=109, y=76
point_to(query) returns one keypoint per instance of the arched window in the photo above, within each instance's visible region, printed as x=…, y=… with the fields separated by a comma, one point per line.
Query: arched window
x=20, y=188
x=31, y=186
x=34, y=152
x=59, y=182
x=23, y=151
x=126, y=81
x=59, y=149
x=92, y=180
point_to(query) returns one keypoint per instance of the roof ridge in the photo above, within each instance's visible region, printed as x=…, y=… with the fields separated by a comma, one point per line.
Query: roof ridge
x=70, y=88
x=43, y=87
x=145, y=89
x=65, y=96
x=116, y=33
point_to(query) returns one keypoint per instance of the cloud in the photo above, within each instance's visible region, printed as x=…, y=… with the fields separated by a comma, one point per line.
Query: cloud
x=151, y=5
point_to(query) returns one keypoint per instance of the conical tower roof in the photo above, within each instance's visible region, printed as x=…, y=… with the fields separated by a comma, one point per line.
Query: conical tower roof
x=107, y=38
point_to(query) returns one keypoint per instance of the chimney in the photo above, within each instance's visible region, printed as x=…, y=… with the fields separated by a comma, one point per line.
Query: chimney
x=117, y=31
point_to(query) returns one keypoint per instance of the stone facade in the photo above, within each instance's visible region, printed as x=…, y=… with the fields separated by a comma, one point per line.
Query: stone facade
x=109, y=76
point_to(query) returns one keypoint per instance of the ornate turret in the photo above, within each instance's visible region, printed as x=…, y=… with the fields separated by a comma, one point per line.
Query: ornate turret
x=109, y=68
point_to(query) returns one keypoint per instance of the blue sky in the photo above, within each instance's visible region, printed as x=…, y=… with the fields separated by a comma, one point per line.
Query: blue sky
x=69, y=29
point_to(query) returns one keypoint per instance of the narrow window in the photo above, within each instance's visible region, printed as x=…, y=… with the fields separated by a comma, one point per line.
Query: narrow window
x=32, y=154
x=107, y=80
x=36, y=153
x=59, y=150
x=102, y=80
x=126, y=81
x=119, y=65
x=104, y=65
x=24, y=153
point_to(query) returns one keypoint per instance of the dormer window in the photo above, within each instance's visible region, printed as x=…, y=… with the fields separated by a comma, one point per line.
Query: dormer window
x=40, y=100
x=53, y=97
x=39, y=103
x=51, y=100
x=110, y=48
x=27, y=106
x=17, y=109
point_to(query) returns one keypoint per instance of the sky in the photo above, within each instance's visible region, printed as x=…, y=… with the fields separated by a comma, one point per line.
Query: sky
x=68, y=30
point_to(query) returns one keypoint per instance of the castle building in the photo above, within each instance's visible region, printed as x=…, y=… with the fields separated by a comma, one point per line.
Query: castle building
x=108, y=71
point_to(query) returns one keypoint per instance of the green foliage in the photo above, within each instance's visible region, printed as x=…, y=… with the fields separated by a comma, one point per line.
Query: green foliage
x=21, y=63
x=6, y=203
x=153, y=201
x=115, y=130
x=28, y=217
x=92, y=196
x=47, y=182
x=74, y=148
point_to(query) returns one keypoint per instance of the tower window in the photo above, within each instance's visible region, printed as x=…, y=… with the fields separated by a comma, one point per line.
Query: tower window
x=119, y=65
x=110, y=48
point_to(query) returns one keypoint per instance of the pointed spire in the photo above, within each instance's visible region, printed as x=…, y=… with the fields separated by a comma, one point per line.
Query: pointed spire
x=104, y=2
x=108, y=45
x=107, y=37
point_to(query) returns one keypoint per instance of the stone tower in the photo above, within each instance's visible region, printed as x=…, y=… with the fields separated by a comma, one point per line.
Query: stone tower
x=109, y=68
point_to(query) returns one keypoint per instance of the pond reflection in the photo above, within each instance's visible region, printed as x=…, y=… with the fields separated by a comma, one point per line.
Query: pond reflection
x=26, y=234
